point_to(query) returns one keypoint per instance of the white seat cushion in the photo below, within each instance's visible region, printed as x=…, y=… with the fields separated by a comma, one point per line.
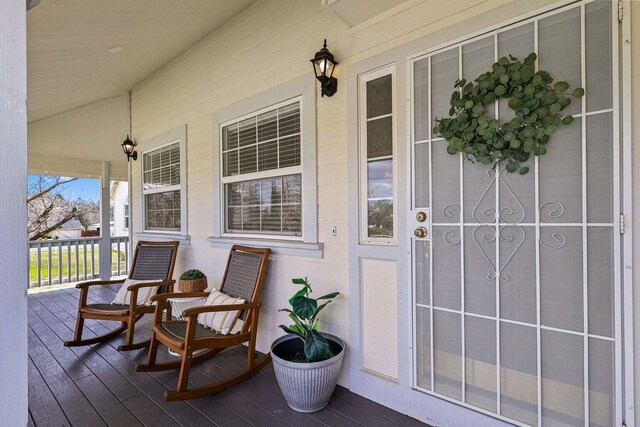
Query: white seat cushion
x=221, y=321
x=144, y=295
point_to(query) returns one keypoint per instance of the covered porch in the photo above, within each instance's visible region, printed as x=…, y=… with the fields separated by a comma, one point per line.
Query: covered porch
x=469, y=293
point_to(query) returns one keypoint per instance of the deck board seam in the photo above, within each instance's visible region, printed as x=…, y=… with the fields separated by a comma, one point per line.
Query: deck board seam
x=64, y=373
x=95, y=376
x=87, y=327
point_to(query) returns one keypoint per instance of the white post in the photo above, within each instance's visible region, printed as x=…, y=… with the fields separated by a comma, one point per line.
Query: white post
x=13, y=220
x=129, y=192
x=105, y=223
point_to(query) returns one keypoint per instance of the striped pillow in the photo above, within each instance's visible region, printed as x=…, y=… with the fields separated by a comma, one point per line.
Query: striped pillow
x=144, y=294
x=221, y=321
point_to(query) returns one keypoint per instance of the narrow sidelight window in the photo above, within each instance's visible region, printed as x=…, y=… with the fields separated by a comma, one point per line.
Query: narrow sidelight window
x=377, y=162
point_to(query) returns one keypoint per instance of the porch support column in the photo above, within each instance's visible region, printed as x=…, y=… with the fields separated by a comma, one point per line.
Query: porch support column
x=129, y=192
x=13, y=220
x=105, y=223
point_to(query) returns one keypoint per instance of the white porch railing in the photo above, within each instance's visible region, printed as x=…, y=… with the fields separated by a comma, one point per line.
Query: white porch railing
x=53, y=262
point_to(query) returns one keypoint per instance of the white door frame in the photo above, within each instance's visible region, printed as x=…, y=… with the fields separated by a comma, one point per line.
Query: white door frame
x=627, y=212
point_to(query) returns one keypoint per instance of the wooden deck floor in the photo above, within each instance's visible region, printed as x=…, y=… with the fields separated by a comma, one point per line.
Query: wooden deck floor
x=97, y=385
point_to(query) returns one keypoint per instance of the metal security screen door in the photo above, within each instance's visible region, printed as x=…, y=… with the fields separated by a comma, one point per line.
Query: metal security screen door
x=516, y=284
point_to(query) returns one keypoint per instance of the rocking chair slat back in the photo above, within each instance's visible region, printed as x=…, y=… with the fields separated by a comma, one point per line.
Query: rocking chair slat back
x=153, y=261
x=243, y=276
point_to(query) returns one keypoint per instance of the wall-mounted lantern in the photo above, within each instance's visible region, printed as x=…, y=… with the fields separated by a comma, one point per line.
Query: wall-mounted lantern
x=129, y=148
x=323, y=65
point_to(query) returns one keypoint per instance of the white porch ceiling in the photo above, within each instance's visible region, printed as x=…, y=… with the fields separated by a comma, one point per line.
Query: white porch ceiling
x=67, y=40
x=354, y=12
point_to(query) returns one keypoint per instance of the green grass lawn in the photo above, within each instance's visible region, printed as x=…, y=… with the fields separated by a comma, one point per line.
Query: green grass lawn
x=68, y=263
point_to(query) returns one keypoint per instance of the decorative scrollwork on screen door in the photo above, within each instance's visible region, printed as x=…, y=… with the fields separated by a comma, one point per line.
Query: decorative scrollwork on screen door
x=493, y=224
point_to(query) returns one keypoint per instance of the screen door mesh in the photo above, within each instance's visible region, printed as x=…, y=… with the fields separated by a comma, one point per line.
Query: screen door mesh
x=514, y=288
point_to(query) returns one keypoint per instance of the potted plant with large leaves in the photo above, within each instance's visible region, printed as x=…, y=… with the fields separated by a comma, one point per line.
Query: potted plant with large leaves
x=307, y=362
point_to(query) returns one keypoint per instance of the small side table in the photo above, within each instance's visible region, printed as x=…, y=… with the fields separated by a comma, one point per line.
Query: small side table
x=179, y=305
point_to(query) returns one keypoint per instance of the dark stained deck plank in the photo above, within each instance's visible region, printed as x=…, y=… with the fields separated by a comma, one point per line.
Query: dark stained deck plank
x=354, y=413
x=65, y=357
x=109, y=387
x=326, y=416
x=180, y=411
x=274, y=406
x=361, y=404
x=110, y=408
x=233, y=360
x=149, y=414
x=136, y=402
x=234, y=409
x=119, y=385
x=111, y=378
x=211, y=408
x=43, y=406
x=75, y=405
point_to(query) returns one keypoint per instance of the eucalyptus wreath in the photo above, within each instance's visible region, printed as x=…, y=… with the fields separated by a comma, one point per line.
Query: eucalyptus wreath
x=536, y=103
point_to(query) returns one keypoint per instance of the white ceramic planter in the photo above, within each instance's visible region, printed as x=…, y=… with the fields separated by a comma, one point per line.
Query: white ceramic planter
x=307, y=387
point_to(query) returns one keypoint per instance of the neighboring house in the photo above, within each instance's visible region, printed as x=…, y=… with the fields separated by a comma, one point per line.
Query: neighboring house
x=69, y=230
x=119, y=203
x=119, y=210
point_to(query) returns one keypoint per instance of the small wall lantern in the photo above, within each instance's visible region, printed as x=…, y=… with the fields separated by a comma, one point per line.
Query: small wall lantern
x=323, y=65
x=129, y=148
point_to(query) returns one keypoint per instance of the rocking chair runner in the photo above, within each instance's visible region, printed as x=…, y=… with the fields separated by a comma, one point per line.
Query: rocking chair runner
x=151, y=261
x=243, y=278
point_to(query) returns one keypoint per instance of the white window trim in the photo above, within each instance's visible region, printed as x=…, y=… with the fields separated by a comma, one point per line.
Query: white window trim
x=271, y=173
x=363, y=79
x=178, y=134
x=303, y=88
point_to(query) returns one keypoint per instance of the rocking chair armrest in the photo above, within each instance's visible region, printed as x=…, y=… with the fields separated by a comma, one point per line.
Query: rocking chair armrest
x=161, y=302
x=192, y=312
x=135, y=288
x=165, y=296
x=151, y=284
x=84, y=285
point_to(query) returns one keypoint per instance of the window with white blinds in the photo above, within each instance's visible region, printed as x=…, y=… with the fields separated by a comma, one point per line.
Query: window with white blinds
x=262, y=172
x=161, y=188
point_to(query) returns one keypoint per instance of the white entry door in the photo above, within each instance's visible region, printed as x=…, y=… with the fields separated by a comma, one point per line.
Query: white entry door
x=516, y=286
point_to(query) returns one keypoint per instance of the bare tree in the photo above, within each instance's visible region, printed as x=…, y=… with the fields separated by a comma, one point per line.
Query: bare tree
x=47, y=209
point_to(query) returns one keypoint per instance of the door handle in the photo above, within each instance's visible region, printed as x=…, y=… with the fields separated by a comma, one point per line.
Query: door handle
x=420, y=232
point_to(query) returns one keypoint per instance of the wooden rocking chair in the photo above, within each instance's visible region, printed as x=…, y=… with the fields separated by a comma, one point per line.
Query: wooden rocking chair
x=151, y=261
x=243, y=278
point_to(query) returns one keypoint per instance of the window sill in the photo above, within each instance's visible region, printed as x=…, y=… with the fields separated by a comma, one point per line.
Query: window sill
x=278, y=247
x=184, y=239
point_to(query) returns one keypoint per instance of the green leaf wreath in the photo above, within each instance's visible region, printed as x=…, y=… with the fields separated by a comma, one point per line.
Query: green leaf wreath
x=537, y=105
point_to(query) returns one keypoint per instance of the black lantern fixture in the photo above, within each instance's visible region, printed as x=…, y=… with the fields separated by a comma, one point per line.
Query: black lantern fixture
x=129, y=148
x=323, y=65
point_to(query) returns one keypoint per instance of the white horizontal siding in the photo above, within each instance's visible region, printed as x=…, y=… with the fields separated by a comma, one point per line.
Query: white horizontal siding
x=268, y=44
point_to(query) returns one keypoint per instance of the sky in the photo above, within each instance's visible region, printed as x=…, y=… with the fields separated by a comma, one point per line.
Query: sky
x=84, y=188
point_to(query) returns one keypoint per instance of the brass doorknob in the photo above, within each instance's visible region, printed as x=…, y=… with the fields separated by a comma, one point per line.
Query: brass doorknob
x=421, y=217
x=420, y=232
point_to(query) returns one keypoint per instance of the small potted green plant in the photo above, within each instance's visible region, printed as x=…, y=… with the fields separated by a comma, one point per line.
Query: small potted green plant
x=192, y=280
x=307, y=362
